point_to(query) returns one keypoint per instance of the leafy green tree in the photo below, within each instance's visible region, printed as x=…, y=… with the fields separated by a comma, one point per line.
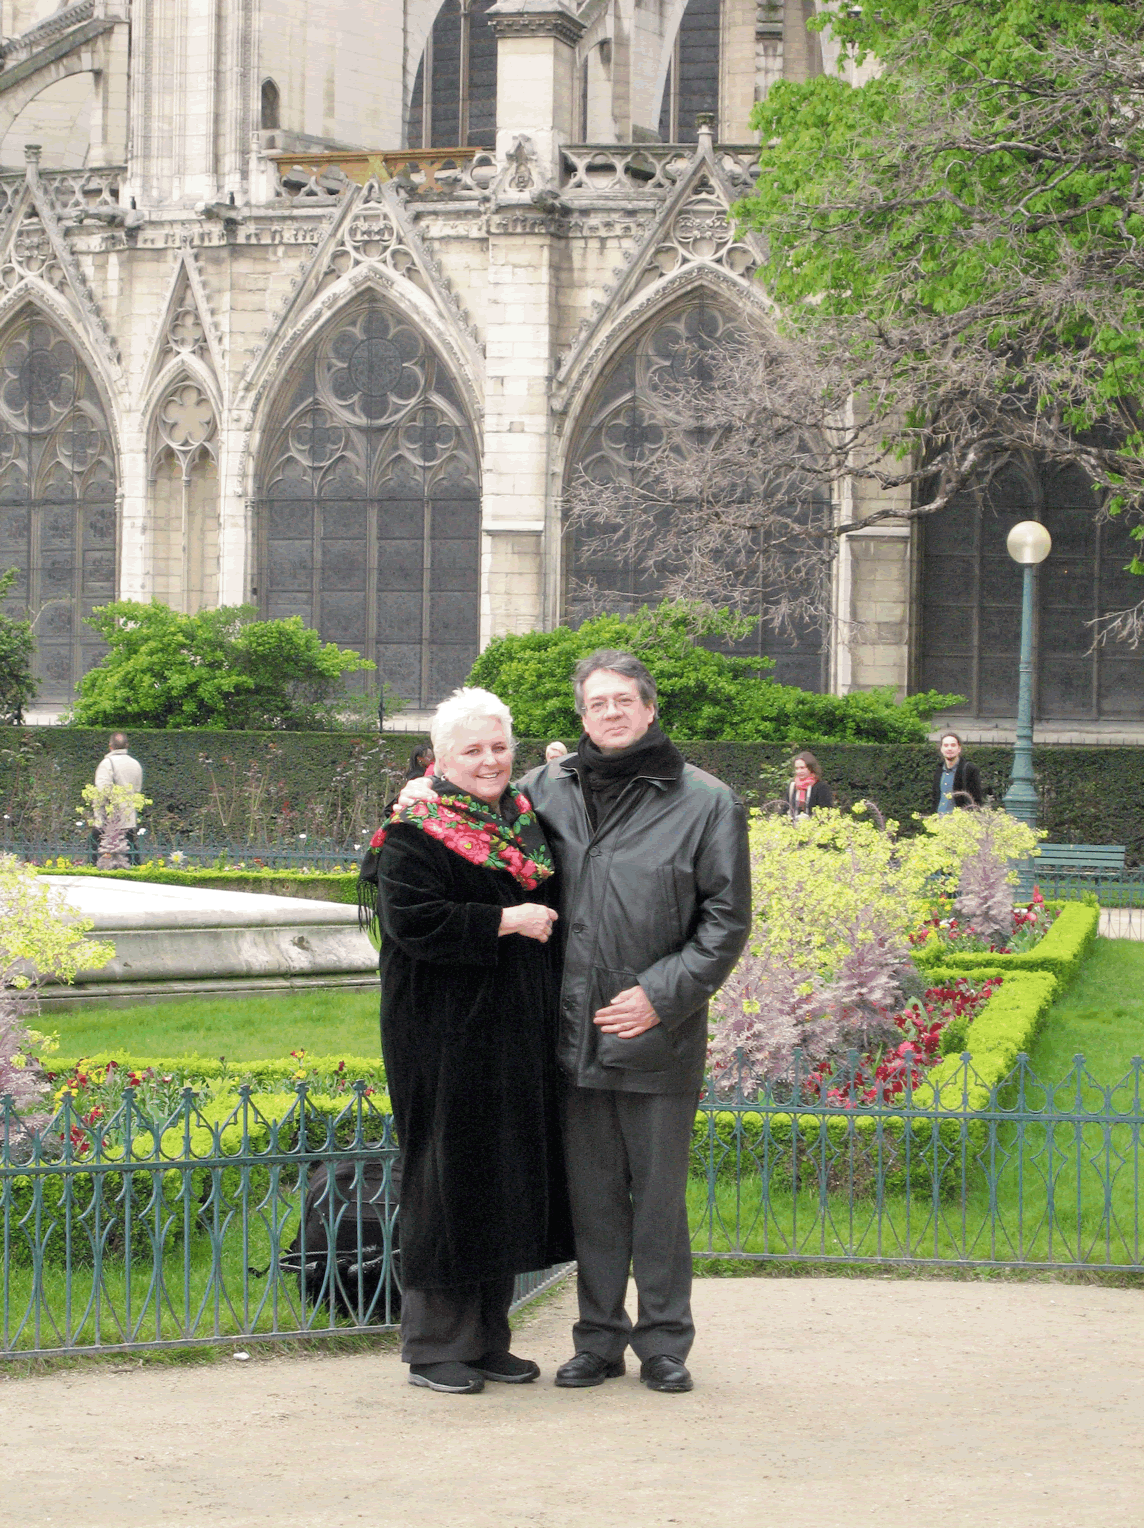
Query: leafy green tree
x=219, y=669
x=702, y=693
x=17, y=646
x=958, y=246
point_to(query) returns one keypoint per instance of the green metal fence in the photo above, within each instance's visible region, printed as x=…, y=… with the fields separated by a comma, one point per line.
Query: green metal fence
x=134, y=1232
x=1023, y=1174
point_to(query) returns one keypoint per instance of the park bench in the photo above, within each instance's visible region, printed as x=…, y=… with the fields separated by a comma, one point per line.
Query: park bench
x=1084, y=867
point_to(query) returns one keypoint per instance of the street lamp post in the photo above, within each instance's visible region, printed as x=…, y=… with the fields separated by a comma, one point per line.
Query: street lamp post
x=1028, y=543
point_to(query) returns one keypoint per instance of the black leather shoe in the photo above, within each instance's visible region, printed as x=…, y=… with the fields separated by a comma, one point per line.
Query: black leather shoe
x=588, y=1369
x=665, y=1373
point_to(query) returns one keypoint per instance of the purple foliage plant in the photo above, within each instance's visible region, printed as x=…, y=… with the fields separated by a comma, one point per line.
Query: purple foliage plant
x=984, y=894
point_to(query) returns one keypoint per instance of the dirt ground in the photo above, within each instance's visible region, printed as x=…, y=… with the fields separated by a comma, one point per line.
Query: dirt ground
x=817, y=1402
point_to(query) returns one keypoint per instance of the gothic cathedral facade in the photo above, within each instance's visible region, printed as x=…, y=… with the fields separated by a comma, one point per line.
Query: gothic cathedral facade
x=319, y=306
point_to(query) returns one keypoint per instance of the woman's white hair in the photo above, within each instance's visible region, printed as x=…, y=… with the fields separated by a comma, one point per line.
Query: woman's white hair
x=463, y=710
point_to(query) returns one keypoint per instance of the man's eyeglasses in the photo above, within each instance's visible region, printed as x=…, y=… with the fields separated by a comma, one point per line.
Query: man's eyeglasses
x=621, y=703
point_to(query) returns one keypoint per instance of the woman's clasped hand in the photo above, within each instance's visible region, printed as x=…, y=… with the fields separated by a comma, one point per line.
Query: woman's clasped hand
x=531, y=919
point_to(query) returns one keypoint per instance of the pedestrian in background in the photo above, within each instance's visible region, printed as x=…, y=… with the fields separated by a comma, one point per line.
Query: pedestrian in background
x=956, y=782
x=420, y=761
x=117, y=767
x=808, y=790
x=555, y=750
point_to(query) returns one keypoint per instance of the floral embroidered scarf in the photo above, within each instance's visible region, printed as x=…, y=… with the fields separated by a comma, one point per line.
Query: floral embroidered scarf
x=512, y=840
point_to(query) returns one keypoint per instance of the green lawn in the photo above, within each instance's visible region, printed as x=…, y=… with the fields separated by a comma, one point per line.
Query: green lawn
x=242, y=1029
x=1100, y=1017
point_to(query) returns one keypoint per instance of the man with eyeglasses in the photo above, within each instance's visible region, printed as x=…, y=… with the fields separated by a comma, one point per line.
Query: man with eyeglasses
x=655, y=906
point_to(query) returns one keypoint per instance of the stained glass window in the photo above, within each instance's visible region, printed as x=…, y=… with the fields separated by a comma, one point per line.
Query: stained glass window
x=620, y=431
x=970, y=601
x=369, y=505
x=454, y=99
x=57, y=501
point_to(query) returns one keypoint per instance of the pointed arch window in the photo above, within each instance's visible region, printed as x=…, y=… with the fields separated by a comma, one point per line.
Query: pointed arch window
x=692, y=84
x=619, y=434
x=57, y=500
x=969, y=601
x=369, y=504
x=454, y=99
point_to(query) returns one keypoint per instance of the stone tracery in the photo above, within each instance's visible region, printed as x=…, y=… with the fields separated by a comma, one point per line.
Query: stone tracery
x=369, y=502
x=57, y=497
x=620, y=433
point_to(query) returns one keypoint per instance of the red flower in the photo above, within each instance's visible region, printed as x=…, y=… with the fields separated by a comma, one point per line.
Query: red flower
x=378, y=839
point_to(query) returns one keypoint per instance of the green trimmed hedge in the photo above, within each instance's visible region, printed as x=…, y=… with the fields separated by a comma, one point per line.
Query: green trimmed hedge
x=43, y=769
x=1062, y=951
x=262, y=1075
x=317, y=886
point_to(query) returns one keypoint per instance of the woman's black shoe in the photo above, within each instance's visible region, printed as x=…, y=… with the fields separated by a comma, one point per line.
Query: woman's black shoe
x=588, y=1369
x=507, y=1368
x=457, y=1379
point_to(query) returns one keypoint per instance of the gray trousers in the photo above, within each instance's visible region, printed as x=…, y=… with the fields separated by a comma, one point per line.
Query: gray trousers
x=456, y=1325
x=627, y=1157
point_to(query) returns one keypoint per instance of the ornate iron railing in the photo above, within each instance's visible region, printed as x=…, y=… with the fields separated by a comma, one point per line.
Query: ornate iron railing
x=1023, y=1174
x=141, y=1230
x=177, y=853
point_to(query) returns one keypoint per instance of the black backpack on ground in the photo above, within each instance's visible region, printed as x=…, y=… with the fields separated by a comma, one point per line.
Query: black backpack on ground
x=356, y=1269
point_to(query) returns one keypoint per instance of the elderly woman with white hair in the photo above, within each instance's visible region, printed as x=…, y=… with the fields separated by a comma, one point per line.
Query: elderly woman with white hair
x=468, y=1018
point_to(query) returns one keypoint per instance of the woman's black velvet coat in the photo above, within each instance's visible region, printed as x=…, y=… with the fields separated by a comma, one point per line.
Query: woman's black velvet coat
x=468, y=1032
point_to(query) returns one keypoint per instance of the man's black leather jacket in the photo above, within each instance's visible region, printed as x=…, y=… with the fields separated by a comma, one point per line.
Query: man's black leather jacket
x=660, y=894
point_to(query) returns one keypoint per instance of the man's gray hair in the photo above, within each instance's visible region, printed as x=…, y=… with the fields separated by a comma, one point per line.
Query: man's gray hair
x=462, y=711
x=615, y=662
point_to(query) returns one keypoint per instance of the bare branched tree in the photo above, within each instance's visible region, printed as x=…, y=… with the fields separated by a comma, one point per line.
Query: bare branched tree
x=964, y=286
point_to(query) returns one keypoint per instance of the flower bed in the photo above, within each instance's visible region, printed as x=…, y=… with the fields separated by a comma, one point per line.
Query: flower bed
x=96, y=1086
x=1062, y=950
x=933, y=1026
x=1030, y=924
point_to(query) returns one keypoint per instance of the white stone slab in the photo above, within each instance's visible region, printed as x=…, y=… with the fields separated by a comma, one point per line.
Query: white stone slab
x=179, y=937
x=113, y=904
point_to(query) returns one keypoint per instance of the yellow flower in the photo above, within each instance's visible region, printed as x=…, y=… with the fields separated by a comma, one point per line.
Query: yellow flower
x=299, y=1076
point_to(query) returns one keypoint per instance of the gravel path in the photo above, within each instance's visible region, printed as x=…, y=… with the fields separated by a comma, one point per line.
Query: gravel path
x=818, y=1402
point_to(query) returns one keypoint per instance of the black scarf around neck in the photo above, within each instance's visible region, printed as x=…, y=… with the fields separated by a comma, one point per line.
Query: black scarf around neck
x=604, y=775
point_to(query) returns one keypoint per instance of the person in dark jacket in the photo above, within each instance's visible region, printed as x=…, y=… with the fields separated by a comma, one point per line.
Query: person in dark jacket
x=654, y=912
x=655, y=909
x=468, y=1036
x=808, y=791
x=956, y=782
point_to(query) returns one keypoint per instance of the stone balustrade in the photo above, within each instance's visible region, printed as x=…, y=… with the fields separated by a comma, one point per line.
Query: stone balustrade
x=323, y=177
x=71, y=191
x=588, y=170
x=608, y=169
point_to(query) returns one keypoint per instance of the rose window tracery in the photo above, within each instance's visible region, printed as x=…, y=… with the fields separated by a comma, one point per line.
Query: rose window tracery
x=57, y=499
x=368, y=503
